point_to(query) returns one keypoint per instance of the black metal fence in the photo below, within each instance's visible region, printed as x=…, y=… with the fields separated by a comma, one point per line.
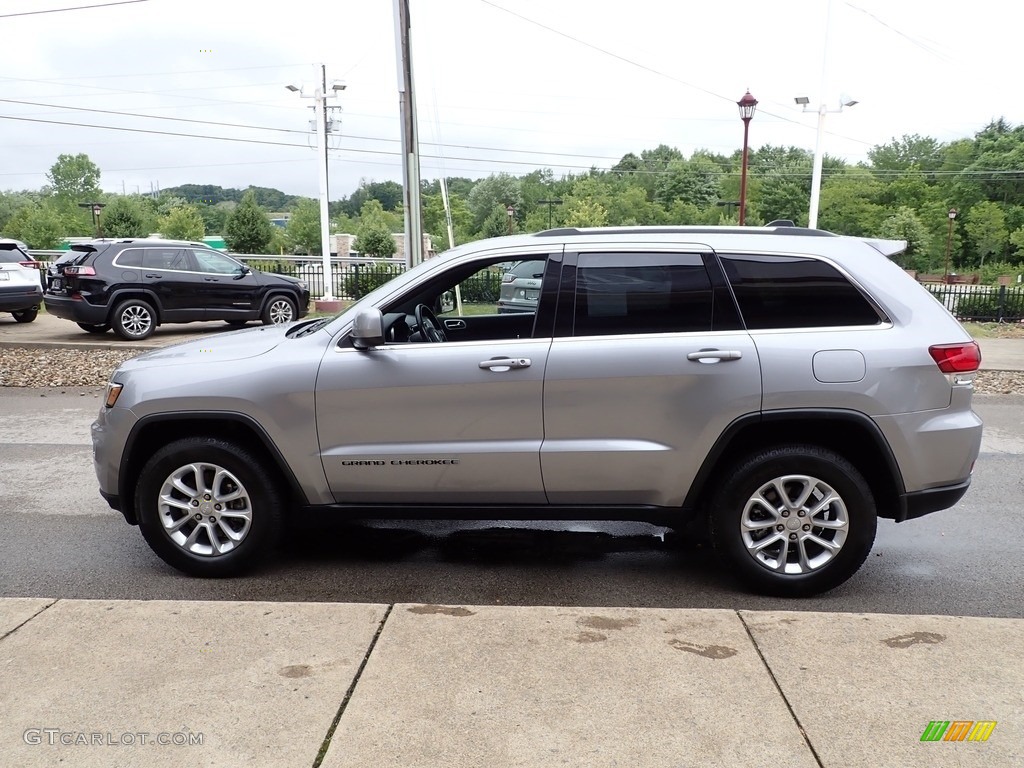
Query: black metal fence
x=351, y=280
x=982, y=303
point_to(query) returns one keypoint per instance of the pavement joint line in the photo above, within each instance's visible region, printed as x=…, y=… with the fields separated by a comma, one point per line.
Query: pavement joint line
x=325, y=745
x=775, y=682
x=26, y=621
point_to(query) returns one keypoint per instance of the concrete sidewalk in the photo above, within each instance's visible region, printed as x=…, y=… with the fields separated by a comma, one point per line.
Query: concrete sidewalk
x=134, y=683
x=50, y=331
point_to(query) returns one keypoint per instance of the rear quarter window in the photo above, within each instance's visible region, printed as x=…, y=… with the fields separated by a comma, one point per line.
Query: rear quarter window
x=795, y=292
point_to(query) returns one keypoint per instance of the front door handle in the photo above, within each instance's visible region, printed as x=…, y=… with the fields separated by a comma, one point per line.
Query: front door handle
x=714, y=355
x=455, y=324
x=506, y=363
x=211, y=279
x=154, y=277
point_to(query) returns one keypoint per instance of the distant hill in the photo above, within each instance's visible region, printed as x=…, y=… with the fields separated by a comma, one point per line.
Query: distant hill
x=211, y=194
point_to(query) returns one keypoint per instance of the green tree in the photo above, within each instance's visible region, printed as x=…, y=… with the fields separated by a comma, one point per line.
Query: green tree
x=905, y=225
x=784, y=193
x=694, y=181
x=586, y=212
x=39, y=225
x=304, y=226
x=248, y=230
x=125, y=217
x=497, y=189
x=986, y=227
x=183, y=222
x=74, y=178
x=849, y=204
x=497, y=224
x=375, y=241
x=11, y=203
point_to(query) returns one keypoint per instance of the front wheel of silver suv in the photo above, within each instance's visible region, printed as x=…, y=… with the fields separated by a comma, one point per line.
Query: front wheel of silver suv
x=793, y=520
x=209, y=507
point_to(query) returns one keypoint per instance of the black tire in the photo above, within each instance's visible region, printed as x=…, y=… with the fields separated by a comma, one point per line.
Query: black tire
x=279, y=309
x=26, y=315
x=254, y=517
x=134, y=320
x=97, y=329
x=754, y=551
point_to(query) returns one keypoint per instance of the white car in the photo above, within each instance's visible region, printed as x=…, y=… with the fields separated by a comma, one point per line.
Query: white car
x=21, y=290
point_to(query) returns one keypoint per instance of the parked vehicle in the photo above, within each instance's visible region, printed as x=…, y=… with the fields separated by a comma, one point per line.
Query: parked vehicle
x=520, y=287
x=785, y=386
x=134, y=285
x=21, y=291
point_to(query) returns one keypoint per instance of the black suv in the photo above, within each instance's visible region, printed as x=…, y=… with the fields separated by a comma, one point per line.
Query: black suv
x=135, y=285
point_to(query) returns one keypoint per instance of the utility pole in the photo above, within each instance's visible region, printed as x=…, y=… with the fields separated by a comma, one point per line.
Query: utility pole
x=410, y=138
x=320, y=96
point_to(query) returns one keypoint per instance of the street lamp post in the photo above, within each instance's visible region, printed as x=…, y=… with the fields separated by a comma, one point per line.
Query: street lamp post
x=511, y=217
x=747, y=106
x=949, y=242
x=803, y=101
x=320, y=96
x=549, y=203
x=95, y=209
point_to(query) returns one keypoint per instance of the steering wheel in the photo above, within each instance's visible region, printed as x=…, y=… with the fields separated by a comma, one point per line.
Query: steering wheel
x=427, y=324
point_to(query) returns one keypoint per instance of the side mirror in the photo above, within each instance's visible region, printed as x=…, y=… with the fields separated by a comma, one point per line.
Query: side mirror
x=243, y=270
x=447, y=301
x=368, y=329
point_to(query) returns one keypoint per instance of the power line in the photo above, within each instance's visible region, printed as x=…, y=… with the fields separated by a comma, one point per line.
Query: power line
x=71, y=8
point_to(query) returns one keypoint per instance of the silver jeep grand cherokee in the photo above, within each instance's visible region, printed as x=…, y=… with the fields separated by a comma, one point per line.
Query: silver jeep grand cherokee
x=787, y=386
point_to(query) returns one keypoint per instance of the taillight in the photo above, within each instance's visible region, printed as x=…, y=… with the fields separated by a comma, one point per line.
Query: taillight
x=80, y=271
x=956, y=358
x=30, y=264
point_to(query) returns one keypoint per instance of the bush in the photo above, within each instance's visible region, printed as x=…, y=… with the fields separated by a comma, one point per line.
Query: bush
x=991, y=272
x=363, y=278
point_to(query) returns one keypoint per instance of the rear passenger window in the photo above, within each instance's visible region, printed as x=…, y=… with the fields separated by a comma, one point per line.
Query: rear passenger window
x=620, y=293
x=130, y=258
x=795, y=292
x=166, y=258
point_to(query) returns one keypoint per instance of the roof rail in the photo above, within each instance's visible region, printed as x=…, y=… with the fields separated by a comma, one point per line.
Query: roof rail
x=779, y=227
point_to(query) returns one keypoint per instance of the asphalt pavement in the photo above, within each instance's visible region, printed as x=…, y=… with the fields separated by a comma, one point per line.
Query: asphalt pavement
x=222, y=683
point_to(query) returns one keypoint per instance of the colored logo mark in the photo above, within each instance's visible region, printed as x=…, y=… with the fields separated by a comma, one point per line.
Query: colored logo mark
x=958, y=730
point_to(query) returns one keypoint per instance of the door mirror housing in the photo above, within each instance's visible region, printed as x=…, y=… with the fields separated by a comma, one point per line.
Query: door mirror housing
x=243, y=270
x=368, y=329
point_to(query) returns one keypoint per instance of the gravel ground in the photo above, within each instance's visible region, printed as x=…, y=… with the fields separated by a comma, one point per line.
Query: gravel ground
x=91, y=368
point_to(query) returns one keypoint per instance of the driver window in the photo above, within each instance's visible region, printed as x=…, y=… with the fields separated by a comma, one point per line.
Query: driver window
x=477, y=294
x=490, y=300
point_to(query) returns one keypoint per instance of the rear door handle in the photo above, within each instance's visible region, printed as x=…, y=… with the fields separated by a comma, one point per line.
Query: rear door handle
x=154, y=277
x=714, y=355
x=506, y=363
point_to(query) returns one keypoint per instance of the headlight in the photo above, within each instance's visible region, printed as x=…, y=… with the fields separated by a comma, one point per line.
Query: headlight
x=303, y=285
x=113, y=392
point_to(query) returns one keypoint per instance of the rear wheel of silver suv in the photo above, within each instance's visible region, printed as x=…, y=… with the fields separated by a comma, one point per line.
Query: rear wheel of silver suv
x=794, y=520
x=208, y=507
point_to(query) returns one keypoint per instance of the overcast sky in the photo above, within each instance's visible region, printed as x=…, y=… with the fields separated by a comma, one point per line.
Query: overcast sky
x=502, y=85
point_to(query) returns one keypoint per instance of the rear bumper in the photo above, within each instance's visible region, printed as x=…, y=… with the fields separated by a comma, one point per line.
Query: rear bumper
x=20, y=297
x=921, y=503
x=78, y=311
